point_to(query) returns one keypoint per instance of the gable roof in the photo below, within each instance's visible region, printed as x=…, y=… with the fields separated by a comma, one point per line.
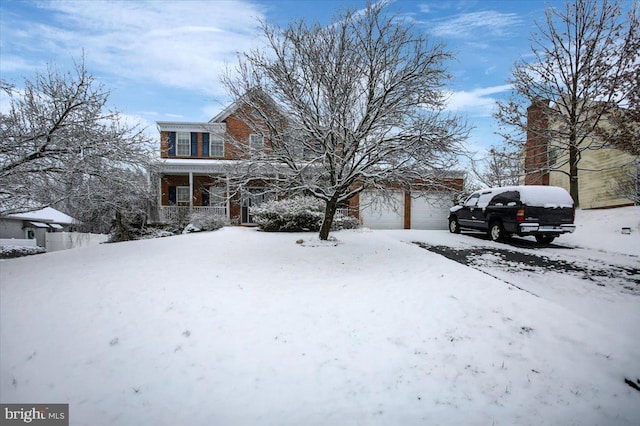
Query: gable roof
x=252, y=93
x=225, y=113
x=47, y=215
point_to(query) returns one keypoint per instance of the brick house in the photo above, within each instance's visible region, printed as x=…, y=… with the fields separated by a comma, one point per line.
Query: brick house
x=601, y=169
x=194, y=175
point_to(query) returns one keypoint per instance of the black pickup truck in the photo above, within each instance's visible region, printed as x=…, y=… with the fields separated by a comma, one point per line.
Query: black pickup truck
x=542, y=211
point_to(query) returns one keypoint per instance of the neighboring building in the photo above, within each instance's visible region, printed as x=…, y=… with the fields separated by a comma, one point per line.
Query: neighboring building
x=601, y=169
x=195, y=172
x=34, y=225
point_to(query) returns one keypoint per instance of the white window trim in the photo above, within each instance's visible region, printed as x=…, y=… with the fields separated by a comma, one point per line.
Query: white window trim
x=213, y=137
x=186, y=144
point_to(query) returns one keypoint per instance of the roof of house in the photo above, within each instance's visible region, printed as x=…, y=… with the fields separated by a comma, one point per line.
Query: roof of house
x=251, y=94
x=184, y=126
x=47, y=215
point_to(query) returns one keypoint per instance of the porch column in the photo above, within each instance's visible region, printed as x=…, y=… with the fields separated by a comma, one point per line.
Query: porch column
x=190, y=190
x=228, y=198
x=159, y=177
x=160, y=209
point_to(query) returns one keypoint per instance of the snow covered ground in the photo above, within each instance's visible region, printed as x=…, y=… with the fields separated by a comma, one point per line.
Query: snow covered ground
x=240, y=327
x=591, y=272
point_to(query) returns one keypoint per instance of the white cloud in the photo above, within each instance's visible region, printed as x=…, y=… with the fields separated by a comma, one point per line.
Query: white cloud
x=12, y=63
x=477, y=102
x=181, y=44
x=175, y=116
x=468, y=25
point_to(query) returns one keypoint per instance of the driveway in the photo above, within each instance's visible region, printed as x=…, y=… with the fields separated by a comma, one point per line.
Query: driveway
x=595, y=284
x=520, y=255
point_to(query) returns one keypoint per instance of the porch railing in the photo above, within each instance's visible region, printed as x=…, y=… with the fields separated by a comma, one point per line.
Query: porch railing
x=167, y=214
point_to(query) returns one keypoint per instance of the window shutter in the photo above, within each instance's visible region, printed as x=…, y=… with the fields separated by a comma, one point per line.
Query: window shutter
x=172, y=195
x=194, y=144
x=172, y=144
x=205, y=197
x=205, y=146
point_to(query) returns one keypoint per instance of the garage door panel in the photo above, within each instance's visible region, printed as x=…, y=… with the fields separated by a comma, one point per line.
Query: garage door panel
x=430, y=211
x=378, y=213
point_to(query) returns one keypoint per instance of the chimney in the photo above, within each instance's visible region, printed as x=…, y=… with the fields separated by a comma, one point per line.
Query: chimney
x=536, y=146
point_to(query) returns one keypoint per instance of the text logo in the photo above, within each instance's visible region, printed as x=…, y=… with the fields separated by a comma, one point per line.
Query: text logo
x=34, y=414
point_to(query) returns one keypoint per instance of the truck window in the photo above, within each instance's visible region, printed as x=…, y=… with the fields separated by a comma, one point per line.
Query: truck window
x=472, y=200
x=483, y=201
x=509, y=198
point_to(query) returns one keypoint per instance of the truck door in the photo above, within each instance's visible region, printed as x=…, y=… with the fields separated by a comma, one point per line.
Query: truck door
x=466, y=212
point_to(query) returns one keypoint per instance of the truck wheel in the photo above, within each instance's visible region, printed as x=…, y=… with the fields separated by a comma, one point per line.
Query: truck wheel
x=454, y=226
x=496, y=231
x=545, y=239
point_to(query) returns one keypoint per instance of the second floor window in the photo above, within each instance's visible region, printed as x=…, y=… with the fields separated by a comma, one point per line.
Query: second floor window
x=183, y=144
x=553, y=155
x=256, y=141
x=217, y=146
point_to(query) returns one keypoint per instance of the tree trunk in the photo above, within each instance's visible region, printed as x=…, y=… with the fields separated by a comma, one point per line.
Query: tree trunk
x=573, y=174
x=329, y=213
x=121, y=232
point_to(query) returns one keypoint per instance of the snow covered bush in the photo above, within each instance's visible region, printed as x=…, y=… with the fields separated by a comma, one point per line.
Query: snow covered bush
x=289, y=215
x=155, y=231
x=204, y=221
x=341, y=221
x=297, y=214
x=8, y=252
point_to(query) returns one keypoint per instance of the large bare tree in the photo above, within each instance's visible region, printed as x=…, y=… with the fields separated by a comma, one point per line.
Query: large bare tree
x=60, y=145
x=352, y=105
x=583, y=68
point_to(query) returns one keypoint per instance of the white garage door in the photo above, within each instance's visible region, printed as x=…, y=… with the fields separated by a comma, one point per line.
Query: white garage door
x=375, y=213
x=430, y=211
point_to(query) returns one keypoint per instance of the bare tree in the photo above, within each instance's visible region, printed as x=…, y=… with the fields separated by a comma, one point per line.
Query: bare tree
x=501, y=167
x=58, y=141
x=584, y=66
x=356, y=104
x=627, y=185
x=622, y=126
x=115, y=202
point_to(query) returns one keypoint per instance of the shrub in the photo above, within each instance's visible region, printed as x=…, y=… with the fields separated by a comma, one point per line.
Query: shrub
x=297, y=214
x=289, y=215
x=155, y=231
x=204, y=221
x=344, y=222
x=8, y=252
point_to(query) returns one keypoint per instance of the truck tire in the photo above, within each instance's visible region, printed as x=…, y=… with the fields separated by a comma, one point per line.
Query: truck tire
x=454, y=226
x=496, y=231
x=545, y=239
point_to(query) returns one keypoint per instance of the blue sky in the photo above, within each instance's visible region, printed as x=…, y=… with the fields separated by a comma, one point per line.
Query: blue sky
x=162, y=59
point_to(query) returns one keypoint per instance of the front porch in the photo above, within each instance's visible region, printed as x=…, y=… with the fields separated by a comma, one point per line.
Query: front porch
x=204, y=186
x=170, y=214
